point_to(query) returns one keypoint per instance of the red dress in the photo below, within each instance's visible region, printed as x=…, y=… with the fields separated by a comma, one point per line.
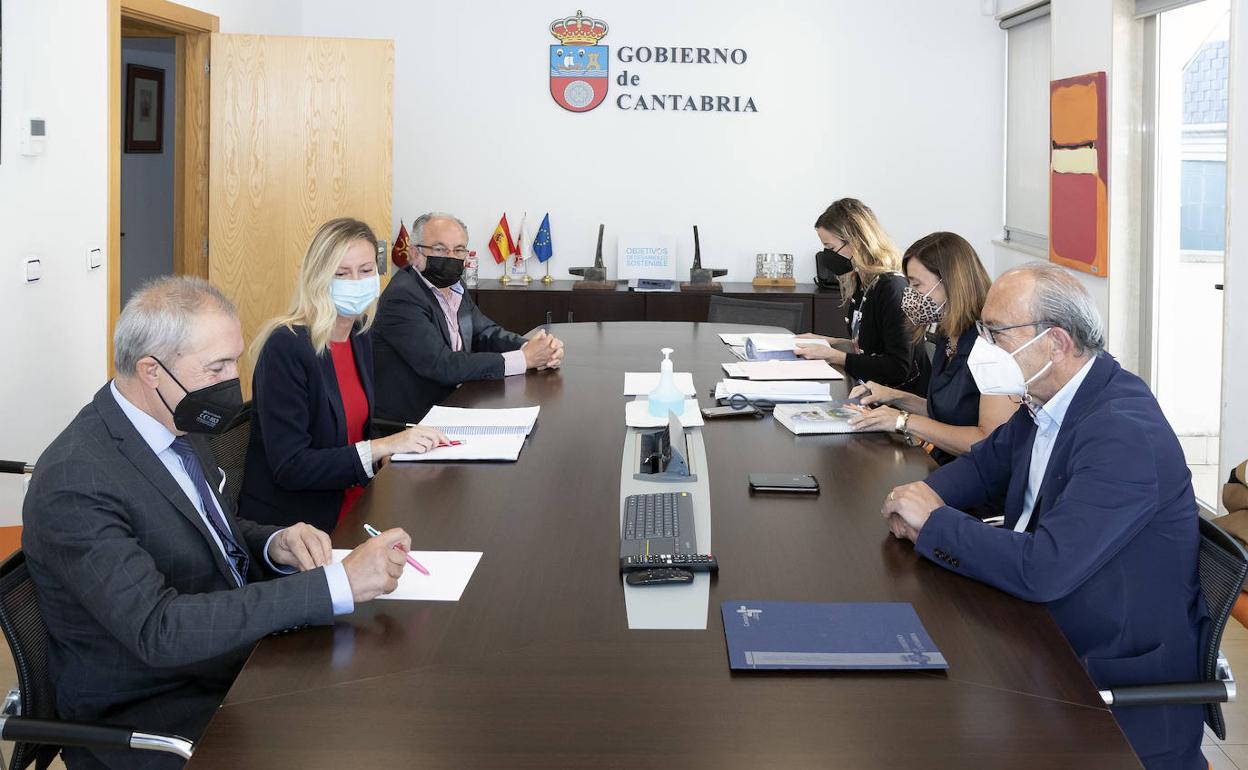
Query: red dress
x=354, y=404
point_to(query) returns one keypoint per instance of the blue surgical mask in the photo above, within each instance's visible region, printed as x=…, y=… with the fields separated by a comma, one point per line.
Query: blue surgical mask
x=352, y=298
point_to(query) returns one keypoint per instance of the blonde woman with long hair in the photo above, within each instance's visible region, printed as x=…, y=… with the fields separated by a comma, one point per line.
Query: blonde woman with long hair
x=310, y=453
x=881, y=346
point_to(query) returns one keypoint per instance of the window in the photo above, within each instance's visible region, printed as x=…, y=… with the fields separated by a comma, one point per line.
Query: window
x=1027, y=128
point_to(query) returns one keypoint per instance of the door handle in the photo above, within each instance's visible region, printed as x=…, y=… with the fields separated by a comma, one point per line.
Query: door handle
x=1218, y=286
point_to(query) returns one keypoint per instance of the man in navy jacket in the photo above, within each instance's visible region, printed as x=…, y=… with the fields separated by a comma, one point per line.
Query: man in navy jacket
x=1101, y=523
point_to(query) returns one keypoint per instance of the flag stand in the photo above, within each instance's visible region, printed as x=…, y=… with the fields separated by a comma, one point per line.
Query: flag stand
x=547, y=279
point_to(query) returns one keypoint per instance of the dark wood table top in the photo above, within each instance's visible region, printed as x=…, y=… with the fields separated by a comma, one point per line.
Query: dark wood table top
x=535, y=666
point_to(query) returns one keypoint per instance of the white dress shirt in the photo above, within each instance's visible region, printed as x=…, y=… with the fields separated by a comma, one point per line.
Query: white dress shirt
x=1048, y=419
x=513, y=360
x=160, y=439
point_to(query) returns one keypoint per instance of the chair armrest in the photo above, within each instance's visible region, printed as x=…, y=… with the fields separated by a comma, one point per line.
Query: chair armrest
x=1164, y=694
x=57, y=733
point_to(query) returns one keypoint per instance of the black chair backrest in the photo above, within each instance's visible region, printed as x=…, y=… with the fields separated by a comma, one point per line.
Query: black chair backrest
x=23, y=627
x=230, y=450
x=1223, y=565
x=731, y=310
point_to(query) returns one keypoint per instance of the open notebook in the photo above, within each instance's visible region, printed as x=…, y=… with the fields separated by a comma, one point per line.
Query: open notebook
x=484, y=434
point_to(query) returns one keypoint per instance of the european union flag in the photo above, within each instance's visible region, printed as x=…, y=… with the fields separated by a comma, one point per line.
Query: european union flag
x=542, y=248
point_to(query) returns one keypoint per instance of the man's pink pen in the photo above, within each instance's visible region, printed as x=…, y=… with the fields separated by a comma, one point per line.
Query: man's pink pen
x=372, y=532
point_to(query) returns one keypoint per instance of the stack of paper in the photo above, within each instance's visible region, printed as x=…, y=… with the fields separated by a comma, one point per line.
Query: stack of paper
x=782, y=370
x=637, y=415
x=735, y=340
x=777, y=347
x=483, y=434
x=797, y=392
x=642, y=383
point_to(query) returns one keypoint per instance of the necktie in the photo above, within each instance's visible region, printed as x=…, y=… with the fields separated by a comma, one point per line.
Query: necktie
x=190, y=463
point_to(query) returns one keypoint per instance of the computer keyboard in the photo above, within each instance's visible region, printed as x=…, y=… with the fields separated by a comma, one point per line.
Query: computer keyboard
x=652, y=515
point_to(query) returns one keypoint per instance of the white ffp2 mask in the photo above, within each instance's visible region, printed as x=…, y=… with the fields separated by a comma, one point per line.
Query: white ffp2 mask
x=996, y=371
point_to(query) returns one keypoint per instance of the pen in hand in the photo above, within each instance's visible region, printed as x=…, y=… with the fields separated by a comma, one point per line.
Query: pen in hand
x=373, y=532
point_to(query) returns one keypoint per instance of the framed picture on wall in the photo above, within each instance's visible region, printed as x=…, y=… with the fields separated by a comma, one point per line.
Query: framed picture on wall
x=145, y=109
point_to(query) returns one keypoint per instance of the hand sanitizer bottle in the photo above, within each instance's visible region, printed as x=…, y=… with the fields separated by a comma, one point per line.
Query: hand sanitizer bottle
x=666, y=397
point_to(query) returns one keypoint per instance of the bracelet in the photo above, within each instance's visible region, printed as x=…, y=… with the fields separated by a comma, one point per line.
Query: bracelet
x=903, y=420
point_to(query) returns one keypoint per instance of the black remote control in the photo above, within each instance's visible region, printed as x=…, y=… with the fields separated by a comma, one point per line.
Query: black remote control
x=694, y=562
x=649, y=577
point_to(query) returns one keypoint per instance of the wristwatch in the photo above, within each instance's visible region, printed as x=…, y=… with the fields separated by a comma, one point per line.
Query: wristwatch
x=903, y=420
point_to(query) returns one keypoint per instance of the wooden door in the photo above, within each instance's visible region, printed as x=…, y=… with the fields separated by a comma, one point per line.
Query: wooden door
x=300, y=134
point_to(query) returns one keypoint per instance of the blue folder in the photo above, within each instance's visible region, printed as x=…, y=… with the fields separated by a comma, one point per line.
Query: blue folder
x=805, y=635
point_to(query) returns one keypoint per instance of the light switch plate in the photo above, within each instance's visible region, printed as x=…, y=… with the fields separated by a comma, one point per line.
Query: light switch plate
x=95, y=258
x=32, y=270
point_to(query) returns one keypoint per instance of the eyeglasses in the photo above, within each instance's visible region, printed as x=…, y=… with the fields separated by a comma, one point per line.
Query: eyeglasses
x=459, y=252
x=989, y=332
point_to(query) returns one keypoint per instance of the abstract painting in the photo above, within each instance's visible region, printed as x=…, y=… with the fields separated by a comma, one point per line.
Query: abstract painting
x=1079, y=174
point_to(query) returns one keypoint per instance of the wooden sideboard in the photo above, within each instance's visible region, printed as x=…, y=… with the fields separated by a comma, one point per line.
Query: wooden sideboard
x=521, y=307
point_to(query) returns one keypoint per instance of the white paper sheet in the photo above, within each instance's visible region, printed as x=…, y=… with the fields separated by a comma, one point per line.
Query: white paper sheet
x=473, y=447
x=798, y=392
x=641, y=383
x=735, y=340
x=637, y=415
x=468, y=420
x=739, y=352
x=782, y=370
x=772, y=342
x=449, y=573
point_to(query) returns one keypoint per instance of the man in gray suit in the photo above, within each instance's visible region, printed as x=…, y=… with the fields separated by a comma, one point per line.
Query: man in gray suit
x=430, y=336
x=152, y=590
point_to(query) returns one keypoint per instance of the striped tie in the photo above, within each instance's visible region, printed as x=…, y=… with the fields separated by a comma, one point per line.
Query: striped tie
x=233, y=551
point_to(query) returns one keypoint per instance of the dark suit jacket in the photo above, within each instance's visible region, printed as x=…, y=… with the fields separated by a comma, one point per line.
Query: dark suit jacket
x=147, y=627
x=298, y=458
x=1114, y=547
x=889, y=354
x=416, y=367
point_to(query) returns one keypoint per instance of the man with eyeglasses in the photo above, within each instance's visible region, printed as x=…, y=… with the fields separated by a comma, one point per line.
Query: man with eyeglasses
x=429, y=336
x=1100, y=519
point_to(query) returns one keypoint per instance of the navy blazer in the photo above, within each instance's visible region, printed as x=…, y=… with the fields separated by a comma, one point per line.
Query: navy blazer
x=416, y=367
x=298, y=458
x=1112, y=548
x=952, y=395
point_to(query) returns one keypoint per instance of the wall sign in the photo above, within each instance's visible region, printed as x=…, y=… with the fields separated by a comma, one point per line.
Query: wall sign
x=580, y=71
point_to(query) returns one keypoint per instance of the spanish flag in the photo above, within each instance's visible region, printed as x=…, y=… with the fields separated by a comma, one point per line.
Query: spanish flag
x=501, y=244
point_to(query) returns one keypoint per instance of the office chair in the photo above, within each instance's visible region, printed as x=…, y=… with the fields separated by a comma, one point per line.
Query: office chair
x=230, y=450
x=29, y=716
x=756, y=312
x=1223, y=565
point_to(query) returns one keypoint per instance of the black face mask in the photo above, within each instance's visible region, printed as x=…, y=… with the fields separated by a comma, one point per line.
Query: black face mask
x=209, y=410
x=442, y=271
x=830, y=262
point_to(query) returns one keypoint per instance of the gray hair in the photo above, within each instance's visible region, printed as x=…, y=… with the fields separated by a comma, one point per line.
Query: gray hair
x=156, y=320
x=418, y=225
x=1059, y=299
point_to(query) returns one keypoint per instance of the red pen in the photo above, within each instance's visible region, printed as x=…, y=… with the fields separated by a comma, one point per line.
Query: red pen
x=372, y=532
x=451, y=443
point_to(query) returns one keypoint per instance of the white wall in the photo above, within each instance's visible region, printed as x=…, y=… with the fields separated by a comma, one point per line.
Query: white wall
x=898, y=103
x=147, y=178
x=53, y=207
x=1093, y=36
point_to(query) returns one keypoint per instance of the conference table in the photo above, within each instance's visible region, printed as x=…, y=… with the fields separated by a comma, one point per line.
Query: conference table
x=535, y=665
